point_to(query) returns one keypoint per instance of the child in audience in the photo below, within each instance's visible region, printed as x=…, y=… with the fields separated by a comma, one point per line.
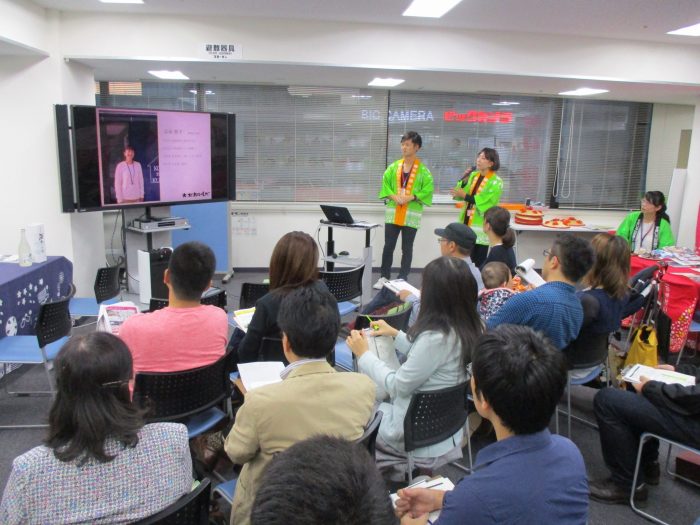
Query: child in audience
x=497, y=278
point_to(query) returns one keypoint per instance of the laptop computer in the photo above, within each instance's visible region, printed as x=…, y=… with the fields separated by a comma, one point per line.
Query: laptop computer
x=337, y=214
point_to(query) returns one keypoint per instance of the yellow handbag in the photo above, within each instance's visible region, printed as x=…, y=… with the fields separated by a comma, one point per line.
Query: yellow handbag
x=643, y=350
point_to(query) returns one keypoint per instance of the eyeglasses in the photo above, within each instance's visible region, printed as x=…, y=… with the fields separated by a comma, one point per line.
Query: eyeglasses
x=442, y=239
x=111, y=384
x=547, y=253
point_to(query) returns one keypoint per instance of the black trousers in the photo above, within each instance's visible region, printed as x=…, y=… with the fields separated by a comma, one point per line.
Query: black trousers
x=391, y=235
x=622, y=418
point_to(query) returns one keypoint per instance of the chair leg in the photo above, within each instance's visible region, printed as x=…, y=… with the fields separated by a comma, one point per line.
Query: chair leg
x=636, y=509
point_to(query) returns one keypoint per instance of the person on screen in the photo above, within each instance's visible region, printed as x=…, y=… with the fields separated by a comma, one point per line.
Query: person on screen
x=128, y=179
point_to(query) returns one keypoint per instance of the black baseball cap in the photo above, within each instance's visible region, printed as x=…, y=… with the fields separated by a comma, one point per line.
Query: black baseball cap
x=461, y=234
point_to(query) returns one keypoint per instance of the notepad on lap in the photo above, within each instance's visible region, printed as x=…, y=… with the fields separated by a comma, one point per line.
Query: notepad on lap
x=260, y=373
x=243, y=317
x=632, y=374
x=399, y=284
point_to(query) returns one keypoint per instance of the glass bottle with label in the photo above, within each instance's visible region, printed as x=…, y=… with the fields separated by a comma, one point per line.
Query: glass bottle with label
x=24, y=252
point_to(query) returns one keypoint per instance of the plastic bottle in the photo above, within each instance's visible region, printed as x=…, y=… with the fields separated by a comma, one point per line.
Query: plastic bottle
x=24, y=252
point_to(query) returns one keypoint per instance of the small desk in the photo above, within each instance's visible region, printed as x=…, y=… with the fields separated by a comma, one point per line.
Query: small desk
x=347, y=261
x=24, y=288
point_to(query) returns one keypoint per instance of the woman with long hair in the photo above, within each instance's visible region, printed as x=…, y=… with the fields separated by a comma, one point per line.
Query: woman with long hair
x=607, y=298
x=293, y=264
x=437, y=348
x=100, y=462
x=501, y=237
x=650, y=228
x=480, y=188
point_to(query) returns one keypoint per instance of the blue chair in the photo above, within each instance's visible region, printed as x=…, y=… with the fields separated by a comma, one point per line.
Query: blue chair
x=190, y=509
x=106, y=291
x=53, y=326
x=344, y=285
x=199, y=398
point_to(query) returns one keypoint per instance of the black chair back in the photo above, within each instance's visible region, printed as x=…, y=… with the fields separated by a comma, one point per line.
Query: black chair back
x=587, y=351
x=251, y=292
x=157, y=304
x=190, y=509
x=172, y=396
x=106, y=283
x=53, y=321
x=398, y=320
x=344, y=285
x=434, y=416
x=369, y=437
x=215, y=297
x=271, y=350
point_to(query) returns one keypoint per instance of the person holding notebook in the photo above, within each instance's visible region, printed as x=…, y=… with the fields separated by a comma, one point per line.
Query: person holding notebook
x=407, y=186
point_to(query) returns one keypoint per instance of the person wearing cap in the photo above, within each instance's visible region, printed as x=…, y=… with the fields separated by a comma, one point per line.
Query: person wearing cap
x=455, y=240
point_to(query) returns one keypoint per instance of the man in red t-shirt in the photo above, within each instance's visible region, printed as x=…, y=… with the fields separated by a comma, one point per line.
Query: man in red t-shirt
x=186, y=334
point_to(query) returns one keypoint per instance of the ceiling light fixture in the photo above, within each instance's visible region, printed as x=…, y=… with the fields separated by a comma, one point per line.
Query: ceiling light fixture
x=584, y=92
x=386, y=82
x=693, y=30
x=169, y=75
x=122, y=1
x=430, y=8
x=505, y=103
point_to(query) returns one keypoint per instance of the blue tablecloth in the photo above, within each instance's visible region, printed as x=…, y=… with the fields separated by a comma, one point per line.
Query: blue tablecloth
x=23, y=289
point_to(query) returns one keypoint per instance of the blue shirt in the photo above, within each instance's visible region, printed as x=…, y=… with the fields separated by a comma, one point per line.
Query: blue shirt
x=553, y=309
x=530, y=478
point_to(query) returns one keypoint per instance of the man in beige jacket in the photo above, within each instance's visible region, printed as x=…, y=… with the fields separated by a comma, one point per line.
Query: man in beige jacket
x=312, y=398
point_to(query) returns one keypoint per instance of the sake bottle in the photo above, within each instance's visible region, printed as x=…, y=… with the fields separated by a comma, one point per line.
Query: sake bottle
x=24, y=252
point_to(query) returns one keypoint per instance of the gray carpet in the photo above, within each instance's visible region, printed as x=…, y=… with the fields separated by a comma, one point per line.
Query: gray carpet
x=675, y=501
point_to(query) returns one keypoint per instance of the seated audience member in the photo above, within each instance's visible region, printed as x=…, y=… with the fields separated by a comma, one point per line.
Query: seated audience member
x=100, y=463
x=553, y=308
x=501, y=237
x=311, y=399
x=650, y=228
x=293, y=264
x=456, y=240
x=527, y=475
x=186, y=334
x=437, y=347
x=671, y=411
x=321, y=481
x=496, y=277
x=607, y=300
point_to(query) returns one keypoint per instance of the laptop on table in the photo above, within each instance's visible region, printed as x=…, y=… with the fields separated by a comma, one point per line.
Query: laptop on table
x=337, y=214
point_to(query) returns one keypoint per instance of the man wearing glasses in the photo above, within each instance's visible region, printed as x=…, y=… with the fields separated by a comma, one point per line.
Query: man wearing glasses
x=553, y=308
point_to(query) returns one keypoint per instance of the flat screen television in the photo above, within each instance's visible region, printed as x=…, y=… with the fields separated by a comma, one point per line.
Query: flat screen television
x=141, y=157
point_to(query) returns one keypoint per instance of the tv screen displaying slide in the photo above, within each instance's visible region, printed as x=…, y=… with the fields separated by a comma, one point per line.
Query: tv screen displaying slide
x=137, y=157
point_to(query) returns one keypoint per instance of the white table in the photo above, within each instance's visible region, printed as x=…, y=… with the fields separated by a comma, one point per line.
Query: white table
x=520, y=228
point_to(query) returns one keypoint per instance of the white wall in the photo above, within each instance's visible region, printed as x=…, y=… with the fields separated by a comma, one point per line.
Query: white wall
x=691, y=194
x=372, y=45
x=667, y=122
x=29, y=87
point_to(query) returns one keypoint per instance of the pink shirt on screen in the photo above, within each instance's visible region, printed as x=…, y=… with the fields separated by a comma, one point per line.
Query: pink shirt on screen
x=175, y=339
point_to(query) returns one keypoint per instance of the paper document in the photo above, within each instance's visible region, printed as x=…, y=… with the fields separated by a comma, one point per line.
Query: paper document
x=260, y=373
x=243, y=317
x=112, y=316
x=526, y=271
x=399, y=284
x=632, y=374
x=436, y=483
